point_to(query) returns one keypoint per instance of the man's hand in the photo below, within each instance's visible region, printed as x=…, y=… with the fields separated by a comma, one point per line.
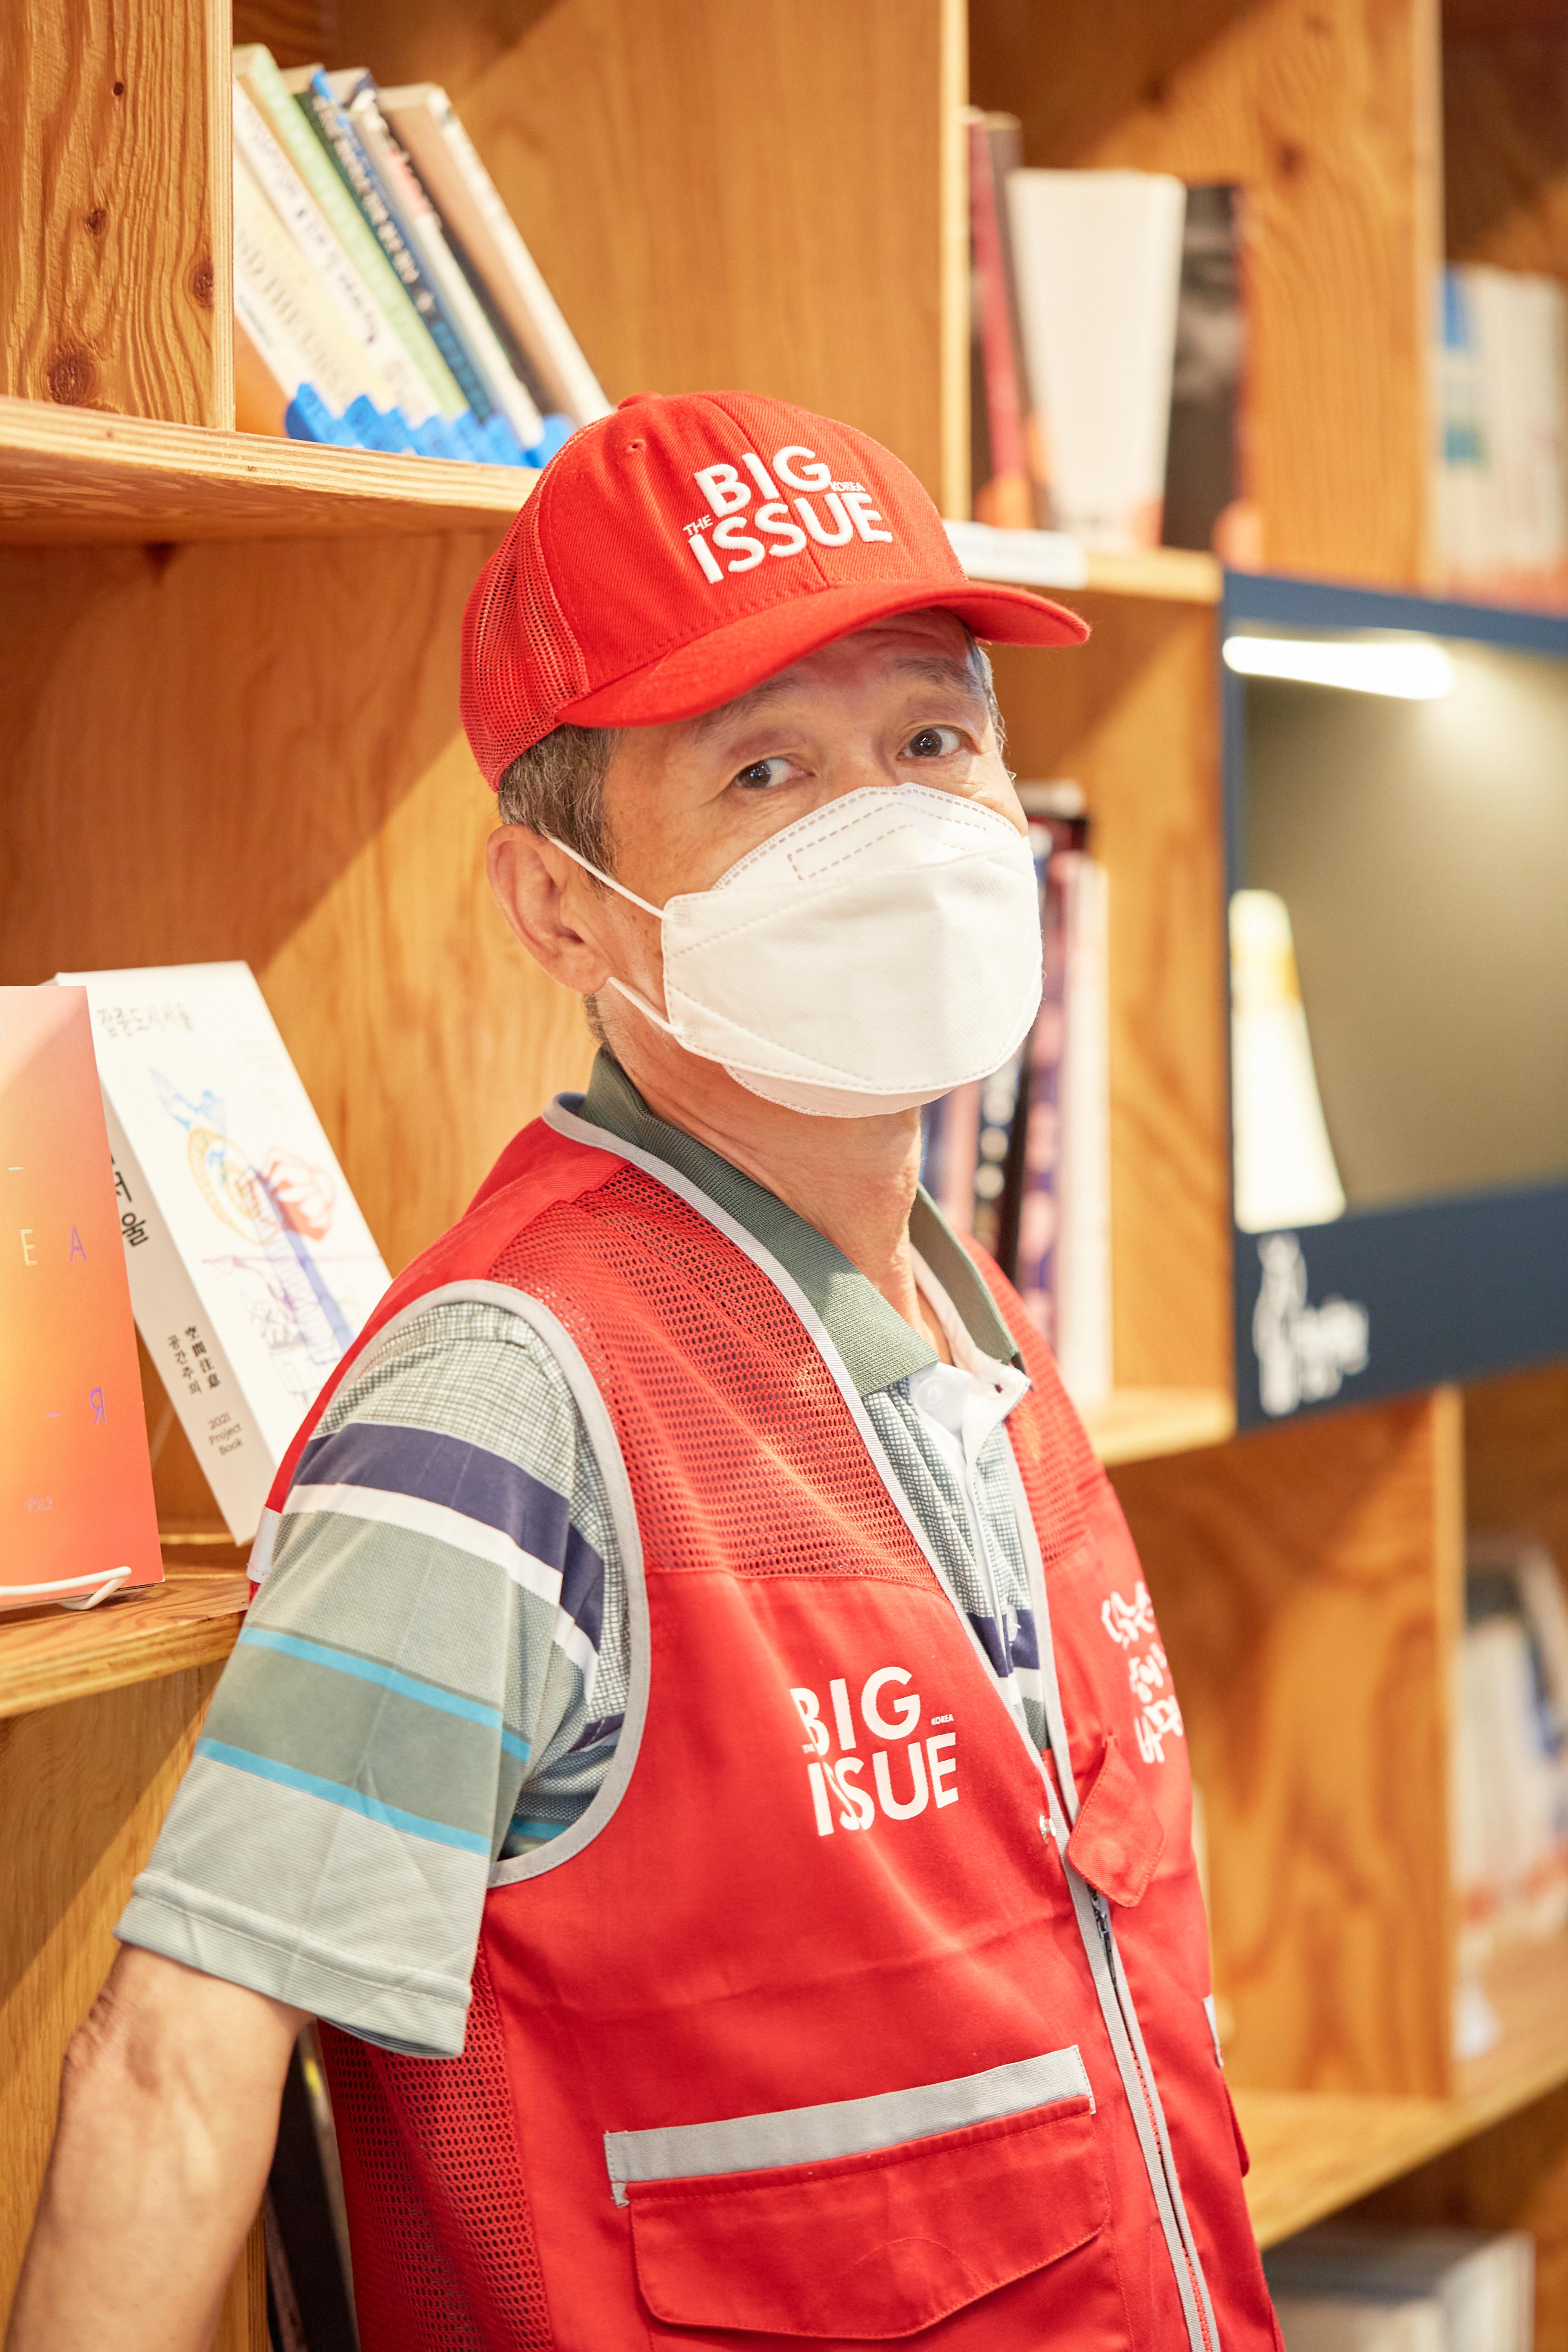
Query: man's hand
x=168, y=2113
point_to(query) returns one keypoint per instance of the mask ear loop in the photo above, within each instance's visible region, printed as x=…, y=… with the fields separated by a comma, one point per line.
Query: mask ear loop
x=631, y=995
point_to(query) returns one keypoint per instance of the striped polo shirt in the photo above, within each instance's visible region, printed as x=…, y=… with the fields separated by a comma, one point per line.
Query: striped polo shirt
x=431, y=1677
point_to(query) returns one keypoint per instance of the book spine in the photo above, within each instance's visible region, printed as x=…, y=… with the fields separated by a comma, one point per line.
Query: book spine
x=582, y=394
x=270, y=93
x=274, y=296
x=1039, y=1206
x=1006, y=499
x=1083, y=1290
x=421, y=226
x=192, y=1363
x=403, y=387
x=346, y=149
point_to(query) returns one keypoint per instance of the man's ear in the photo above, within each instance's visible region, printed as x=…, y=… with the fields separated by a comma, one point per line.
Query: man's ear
x=548, y=902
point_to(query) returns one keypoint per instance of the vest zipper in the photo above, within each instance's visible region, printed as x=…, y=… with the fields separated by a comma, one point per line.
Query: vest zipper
x=1102, y=1920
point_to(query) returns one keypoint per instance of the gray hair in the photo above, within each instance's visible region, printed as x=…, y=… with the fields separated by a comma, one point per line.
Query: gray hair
x=557, y=785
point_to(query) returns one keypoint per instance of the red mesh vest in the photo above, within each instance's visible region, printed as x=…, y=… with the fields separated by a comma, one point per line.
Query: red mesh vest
x=812, y=2034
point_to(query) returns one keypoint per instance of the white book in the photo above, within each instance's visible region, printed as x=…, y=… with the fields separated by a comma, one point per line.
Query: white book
x=422, y=223
x=285, y=314
x=1098, y=262
x=1480, y=2286
x=354, y=305
x=1083, y=1344
x=257, y=1270
x=1519, y=344
x=1323, y=2323
x=1285, y=1172
x=447, y=161
x=1464, y=505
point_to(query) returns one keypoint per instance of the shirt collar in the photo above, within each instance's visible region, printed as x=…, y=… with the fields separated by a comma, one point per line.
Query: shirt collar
x=876, y=1343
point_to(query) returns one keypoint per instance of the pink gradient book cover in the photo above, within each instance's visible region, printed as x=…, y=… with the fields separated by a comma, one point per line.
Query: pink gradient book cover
x=76, y=1516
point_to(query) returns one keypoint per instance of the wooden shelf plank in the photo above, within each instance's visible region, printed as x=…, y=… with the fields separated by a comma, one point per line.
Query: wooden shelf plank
x=49, y=1655
x=1136, y=1424
x=1314, y=2152
x=71, y=475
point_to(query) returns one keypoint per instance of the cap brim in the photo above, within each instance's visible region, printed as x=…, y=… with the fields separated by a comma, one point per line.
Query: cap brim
x=715, y=669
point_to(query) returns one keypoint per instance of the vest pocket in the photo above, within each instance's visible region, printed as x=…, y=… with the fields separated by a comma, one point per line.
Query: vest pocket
x=878, y=2241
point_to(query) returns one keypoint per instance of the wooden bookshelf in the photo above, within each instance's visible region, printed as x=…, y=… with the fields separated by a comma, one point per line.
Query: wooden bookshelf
x=238, y=736
x=48, y=1657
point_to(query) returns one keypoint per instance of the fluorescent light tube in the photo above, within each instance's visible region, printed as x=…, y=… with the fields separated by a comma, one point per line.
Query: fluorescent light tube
x=1413, y=669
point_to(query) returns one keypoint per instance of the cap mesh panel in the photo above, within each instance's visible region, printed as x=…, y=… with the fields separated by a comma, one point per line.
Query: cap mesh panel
x=444, y=2255
x=521, y=660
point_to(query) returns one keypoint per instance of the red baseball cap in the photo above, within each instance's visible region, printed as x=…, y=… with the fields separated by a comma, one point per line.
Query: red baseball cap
x=684, y=549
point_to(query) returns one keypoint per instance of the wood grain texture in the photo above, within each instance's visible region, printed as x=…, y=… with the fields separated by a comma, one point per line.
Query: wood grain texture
x=757, y=197
x=116, y=238
x=1308, y=1582
x=1516, y=1456
x=48, y=1657
x=1132, y=717
x=70, y=478
x=1327, y=111
x=93, y=1780
x=268, y=765
x=1505, y=142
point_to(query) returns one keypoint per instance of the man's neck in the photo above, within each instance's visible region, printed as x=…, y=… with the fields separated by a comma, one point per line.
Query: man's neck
x=853, y=1179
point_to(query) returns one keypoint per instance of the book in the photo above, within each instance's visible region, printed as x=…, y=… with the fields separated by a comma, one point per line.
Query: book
x=1002, y=492
x=1099, y=258
x=1285, y=1171
x=1206, y=502
x=1476, y=2288
x=288, y=318
x=420, y=224
x=1510, y=1838
x=337, y=274
x=1501, y=445
x=484, y=233
x=256, y=1269
x=1083, y=1305
x=341, y=140
x=257, y=74
x=76, y=1480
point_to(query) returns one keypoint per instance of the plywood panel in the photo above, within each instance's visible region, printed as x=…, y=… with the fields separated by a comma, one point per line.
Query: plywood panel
x=1308, y=1584
x=254, y=752
x=1132, y=717
x=1505, y=134
x=718, y=195
x=93, y=1779
x=1516, y=1456
x=1327, y=111
x=116, y=242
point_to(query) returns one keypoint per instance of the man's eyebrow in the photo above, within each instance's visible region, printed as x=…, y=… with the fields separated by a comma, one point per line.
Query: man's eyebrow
x=935, y=669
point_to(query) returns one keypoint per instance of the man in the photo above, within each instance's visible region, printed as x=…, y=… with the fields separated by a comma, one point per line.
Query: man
x=685, y=1746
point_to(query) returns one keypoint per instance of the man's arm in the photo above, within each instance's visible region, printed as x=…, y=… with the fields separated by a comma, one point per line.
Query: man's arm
x=168, y=2113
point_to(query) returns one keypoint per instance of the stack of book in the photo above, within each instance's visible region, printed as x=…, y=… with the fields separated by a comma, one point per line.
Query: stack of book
x=1510, y=1833
x=1345, y=2287
x=1022, y=1159
x=1501, y=463
x=383, y=299
x=1108, y=349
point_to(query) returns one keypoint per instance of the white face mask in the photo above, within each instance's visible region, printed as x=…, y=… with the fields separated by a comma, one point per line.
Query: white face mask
x=867, y=957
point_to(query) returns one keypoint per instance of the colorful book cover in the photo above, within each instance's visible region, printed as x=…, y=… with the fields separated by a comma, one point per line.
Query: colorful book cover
x=76, y=1483
x=257, y=1270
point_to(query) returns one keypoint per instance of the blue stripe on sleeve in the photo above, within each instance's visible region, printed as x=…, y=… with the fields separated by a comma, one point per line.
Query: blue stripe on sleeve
x=352, y=1800
x=367, y=1670
x=484, y=1486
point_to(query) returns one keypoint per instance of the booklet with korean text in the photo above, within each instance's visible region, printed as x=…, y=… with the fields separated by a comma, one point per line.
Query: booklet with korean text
x=76, y=1484
x=251, y=1268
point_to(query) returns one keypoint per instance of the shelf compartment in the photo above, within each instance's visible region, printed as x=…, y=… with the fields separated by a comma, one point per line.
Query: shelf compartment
x=72, y=475
x=1139, y=1424
x=1314, y=2152
x=192, y=1619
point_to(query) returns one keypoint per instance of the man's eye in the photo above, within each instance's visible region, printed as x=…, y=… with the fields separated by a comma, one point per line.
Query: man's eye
x=933, y=744
x=762, y=774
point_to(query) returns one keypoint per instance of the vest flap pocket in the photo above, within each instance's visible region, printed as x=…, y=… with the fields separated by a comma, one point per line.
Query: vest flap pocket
x=879, y=2242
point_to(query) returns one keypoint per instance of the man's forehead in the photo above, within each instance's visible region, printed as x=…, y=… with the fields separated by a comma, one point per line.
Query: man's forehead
x=908, y=646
